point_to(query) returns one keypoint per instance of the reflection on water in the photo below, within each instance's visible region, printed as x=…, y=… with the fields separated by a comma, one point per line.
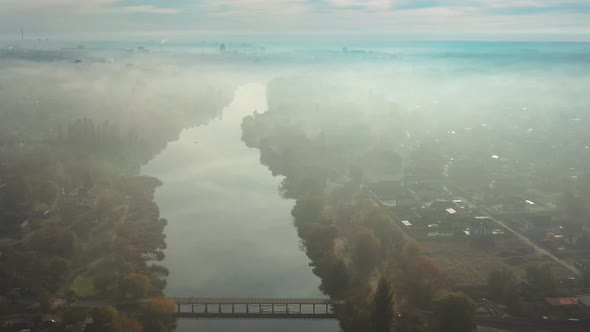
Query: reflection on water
x=229, y=231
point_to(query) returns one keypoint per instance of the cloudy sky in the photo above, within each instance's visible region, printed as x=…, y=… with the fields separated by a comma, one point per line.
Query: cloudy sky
x=400, y=19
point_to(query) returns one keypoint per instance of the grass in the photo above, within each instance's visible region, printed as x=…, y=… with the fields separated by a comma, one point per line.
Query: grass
x=83, y=286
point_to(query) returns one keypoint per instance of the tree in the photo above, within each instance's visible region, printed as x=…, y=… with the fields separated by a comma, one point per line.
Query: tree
x=105, y=280
x=158, y=315
x=319, y=241
x=59, y=268
x=498, y=281
x=136, y=286
x=541, y=278
x=109, y=319
x=73, y=315
x=334, y=276
x=366, y=248
x=502, y=286
x=103, y=319
x=421, y=278
x=383, y=305
x=55, y=240
x=45, y=301
x=125, y=323
x=456, y=312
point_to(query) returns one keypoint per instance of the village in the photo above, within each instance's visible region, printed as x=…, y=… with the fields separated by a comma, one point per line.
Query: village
x=472, y=236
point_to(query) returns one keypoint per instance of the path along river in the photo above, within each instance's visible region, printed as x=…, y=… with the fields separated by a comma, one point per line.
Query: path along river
x=229, y=232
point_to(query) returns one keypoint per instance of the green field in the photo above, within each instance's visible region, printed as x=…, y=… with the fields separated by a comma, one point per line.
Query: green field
x=83, y=286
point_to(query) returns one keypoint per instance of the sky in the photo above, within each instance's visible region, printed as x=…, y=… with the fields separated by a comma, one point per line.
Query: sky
x=396, y=19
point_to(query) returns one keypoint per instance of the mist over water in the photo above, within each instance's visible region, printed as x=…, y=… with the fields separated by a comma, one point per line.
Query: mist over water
x=230, y=234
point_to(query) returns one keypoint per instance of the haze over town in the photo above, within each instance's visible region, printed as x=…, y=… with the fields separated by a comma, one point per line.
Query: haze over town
x=317, y=165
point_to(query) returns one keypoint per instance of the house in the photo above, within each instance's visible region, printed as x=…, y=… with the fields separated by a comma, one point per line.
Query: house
x=562, y=307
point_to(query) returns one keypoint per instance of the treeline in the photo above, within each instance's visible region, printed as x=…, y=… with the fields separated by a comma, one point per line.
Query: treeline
x=72, y=214
x=77, y=221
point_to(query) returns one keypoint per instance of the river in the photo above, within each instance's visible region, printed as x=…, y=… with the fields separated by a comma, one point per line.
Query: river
x=229, y=232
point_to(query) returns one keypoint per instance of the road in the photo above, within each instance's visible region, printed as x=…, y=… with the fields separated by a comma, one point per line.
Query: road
x=487, y=212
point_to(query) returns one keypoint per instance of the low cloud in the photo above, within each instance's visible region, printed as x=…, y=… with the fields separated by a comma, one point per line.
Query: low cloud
x=404, y=18
x=141, y=9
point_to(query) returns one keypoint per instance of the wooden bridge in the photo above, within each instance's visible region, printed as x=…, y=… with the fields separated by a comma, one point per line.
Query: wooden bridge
x=255, y=308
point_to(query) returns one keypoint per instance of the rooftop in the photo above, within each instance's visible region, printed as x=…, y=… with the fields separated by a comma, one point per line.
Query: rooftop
x=562, y=301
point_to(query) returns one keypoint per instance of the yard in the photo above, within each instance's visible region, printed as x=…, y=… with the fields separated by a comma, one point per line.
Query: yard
x=466, y=264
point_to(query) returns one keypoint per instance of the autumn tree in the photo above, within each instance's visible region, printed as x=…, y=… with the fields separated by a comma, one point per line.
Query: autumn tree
x=158, y=315
x=420, y=277
x=366, y=248
x=456, y=312
x=109, y=319
x=45, y=301
x=383, y=305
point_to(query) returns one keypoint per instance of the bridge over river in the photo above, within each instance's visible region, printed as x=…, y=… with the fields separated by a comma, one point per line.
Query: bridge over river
x=255, y=308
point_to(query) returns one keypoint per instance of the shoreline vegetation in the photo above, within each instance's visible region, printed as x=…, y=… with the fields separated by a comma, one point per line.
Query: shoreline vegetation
x=80, y=223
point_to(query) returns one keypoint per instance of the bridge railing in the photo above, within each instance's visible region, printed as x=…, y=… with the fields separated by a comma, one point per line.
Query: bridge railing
x=252, y=300
x=225, y=307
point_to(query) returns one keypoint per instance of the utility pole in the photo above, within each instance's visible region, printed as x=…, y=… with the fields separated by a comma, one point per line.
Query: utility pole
x=22, y=34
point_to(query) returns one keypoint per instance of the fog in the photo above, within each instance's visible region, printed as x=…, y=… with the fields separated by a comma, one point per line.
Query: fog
x=245, y=137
